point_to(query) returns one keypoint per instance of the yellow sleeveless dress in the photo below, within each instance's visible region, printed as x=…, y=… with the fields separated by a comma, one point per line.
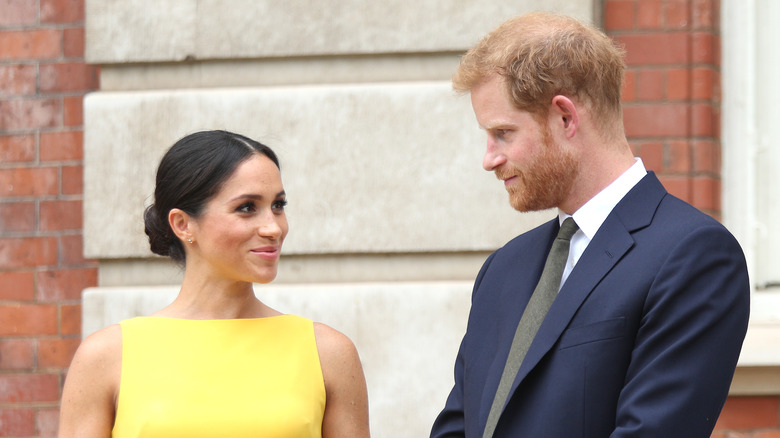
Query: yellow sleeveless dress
x=219, y=378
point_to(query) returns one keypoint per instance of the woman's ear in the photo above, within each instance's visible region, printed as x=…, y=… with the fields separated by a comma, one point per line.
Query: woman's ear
x=180, y=223
x=565, y=115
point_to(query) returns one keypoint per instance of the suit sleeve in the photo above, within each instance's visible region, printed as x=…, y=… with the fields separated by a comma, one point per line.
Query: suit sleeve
x=451, y=421
x=686, y=349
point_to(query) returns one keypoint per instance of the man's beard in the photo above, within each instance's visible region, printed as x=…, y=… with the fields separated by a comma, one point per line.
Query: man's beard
x=546, y=181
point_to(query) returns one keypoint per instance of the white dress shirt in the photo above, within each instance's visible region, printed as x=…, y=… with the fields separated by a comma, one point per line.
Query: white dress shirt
x=593, y=213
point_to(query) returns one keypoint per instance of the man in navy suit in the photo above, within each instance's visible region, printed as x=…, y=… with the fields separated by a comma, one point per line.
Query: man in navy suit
x=644, y=334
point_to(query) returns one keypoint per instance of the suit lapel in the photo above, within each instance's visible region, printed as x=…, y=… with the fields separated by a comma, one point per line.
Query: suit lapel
x=612, y=241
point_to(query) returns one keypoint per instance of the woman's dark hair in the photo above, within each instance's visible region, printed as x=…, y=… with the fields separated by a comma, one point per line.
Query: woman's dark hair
x=190, y=174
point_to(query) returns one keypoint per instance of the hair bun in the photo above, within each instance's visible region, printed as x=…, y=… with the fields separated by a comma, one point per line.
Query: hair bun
x=161, y=238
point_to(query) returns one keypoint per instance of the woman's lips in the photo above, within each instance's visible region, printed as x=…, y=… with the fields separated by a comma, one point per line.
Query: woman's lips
x=266, y=252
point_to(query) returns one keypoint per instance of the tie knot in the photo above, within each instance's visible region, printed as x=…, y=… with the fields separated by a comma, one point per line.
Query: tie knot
x=568, y=228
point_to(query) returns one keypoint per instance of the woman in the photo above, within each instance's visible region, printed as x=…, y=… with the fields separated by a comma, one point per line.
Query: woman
x=217, y=361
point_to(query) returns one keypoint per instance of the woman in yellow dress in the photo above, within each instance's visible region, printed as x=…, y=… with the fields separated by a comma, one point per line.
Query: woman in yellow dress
x=217, y=362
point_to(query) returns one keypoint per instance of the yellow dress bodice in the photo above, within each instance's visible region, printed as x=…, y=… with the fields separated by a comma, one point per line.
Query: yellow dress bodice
x=219, y=378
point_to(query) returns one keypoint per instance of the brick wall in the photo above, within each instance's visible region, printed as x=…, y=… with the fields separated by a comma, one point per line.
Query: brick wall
x=42, y=82
x=672, y=112
x=671, y=93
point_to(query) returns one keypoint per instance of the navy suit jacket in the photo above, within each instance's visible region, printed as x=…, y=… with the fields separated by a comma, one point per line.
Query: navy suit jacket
x=641, y=341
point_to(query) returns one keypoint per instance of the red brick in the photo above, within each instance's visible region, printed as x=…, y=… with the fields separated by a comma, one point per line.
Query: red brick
x=650, y=85
x=28, y=252
x=677, y=186
x=17, y=216
x=72, y=180
x=749, y=413
x=661, y=120
x=47, y=421
x=706, y=194
x=703, y=83
x=61, y=215
x=35, y=181
x=73, y=111
x=652, y=155
x=17, y=422
x=703, y=121
x=72, y=250
x=678, y=158
x=56, y=353
x=17, y=79
x=716, y=116
x=678, y=84
x=65, y=284
x=18, y=13
x=62, y=11
x=706, y=157
x=67, y=77
x=70, y=319
x=655, y=48
x=16, y=354
x=628, y=93
x=703, y=48
x=15, y=388
x=17, y=148
x=73, y=42
x=634, y=147
x=30, y=44
x=677, y=14
x=716, y=87
x=27, y=320
x=703, y=14
x=619, y=15
x=649, y=14
x=17, y=286
x=716, y=42
x=767, y=434
x=28, y=114
x=62, y=146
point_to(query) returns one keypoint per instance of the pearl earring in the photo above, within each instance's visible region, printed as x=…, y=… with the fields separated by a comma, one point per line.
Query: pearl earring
x=189, y=239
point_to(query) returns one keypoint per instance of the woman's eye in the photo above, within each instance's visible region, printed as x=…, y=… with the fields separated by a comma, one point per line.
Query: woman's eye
x=279, y=205
x=246, y=208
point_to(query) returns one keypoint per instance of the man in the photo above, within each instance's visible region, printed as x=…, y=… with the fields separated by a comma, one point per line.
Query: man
x=642, y=336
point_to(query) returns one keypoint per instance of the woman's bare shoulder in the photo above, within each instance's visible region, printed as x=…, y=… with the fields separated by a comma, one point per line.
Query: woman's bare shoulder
x=332, y=343
x=101, y=346
x=99, y=359
x=346, y=410
x=91, y=386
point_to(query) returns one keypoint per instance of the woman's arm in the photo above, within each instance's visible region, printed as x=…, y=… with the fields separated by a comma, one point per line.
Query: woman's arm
x=346, y=406
x=91, y=386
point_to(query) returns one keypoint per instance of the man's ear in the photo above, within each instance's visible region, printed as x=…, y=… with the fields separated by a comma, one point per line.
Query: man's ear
x=564, y=115
x=180, y=223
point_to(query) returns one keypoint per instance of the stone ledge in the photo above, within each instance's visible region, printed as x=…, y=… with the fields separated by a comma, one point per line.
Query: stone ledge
x=758, y=372
x=756, y=380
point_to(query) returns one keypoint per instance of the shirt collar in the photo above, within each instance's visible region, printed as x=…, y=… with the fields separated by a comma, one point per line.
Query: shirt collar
x=593, y=213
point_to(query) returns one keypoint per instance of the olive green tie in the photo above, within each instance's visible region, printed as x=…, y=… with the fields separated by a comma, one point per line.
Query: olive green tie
x=540, y=302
